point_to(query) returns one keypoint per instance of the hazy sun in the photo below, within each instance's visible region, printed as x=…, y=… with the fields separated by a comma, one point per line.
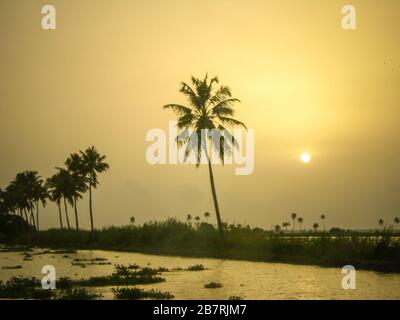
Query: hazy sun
x=305, y=157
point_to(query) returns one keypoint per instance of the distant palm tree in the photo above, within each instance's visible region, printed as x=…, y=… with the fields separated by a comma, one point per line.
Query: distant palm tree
x=300, y=221
x=197, y=218
x=381, y=223
x=132, y=220
x=396, y=222
x=208, y=109
x=294, y=216
x=285, y=225
x=315, y=226
x=92, y=164
x=277, y=228
x=323, y=221
x=189, y=219
x=207, y=216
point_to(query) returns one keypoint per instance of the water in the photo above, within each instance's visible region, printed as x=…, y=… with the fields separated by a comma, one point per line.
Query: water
x=249, y=280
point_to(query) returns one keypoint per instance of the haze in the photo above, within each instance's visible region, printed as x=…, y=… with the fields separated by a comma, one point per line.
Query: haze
x=306, y=85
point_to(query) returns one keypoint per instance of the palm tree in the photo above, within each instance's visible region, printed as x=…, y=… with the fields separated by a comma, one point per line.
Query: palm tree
x=209, y=108
x=189, y=219
x=207, y=216
x=396, y=222
x=277, y=228
x=55, y=194
x=74, y=165
x=132, y=220
x=381, y=223
x=92, y=164
x=300, y=221
x=315, y=226
x=294, y=216
x=197, y=218
x=323, y=221
x=40, y=195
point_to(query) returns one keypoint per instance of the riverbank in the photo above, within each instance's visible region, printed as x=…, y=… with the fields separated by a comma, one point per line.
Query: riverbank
x=175, y=238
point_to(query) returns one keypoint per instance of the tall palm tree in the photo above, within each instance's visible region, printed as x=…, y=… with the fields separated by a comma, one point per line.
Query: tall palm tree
x=197, y=218
x=294, y=216
x=315, y=226
x=323, y=221
x=55, y=194
x=209, y=108
x=277, y=228
x=92, y=164
x=40, y=195
x=75, y=167
x=300, y=221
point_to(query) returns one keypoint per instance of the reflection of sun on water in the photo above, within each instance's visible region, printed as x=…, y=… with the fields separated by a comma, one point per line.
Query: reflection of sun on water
x=305, y=157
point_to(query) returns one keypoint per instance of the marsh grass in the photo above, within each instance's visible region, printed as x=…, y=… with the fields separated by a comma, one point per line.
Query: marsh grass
x=380, y=251
x=196, y=267
x=12, y=267
x=137, y=293
x=23, y=288
x=213, y=285
x=78, y=294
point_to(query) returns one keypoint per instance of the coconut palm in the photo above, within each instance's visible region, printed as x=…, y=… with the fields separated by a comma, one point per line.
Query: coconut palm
x=189, y=219
x=315, y=226
x=323, y=221
x=197, y=218
x=78, y=180
x=40, y=195
x=294, y=216
x=55, y=194
x=300, y=221
x=132, y=220
x=277, y=228
x=92, y=164
x=207, y=216
x=210, y=108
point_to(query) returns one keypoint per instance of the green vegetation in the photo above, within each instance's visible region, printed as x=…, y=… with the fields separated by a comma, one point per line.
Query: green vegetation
x=213, y=285
x=78, y=294
x=11, y=267
x=23, y=288
x=137, y=293
x=196, y=267
x=379, y=251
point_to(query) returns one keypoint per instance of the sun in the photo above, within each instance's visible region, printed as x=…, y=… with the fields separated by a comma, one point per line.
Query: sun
x=305, y=157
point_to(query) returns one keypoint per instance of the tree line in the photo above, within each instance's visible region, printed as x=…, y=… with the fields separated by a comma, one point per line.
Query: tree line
x=28, y=191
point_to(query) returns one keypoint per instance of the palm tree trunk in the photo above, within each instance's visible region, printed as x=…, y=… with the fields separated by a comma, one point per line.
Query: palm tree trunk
x=26, y=217
x=33, y=218
x=76, y=215
x=66, y=213
x=59, y=212
x=90, y=206
x=214, y=194
x=37, y=215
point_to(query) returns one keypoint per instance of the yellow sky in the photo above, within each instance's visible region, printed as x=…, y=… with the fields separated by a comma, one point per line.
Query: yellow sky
x=305, y=83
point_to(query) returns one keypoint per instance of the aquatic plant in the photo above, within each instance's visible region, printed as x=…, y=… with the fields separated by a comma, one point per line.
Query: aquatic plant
x=137, y=293
x=213, y=285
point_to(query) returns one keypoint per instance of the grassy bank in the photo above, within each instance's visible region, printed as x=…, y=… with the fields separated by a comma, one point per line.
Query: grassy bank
x=172, y=237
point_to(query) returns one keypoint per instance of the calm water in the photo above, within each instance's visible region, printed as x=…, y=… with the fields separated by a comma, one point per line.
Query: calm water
x=249, y=280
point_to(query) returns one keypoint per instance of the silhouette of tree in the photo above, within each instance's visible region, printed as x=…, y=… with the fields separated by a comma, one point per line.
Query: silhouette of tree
x=92, y=164
x=294, y=216
x=396, y=222
x=300, y=221
x=197, y=218
x=381, y=224
x=207, y=216
x=209, y=108
x=189, y=219
x=132, y=220
x=315, y=226
x=277, y=228
x=55, y=194
x=323, y=221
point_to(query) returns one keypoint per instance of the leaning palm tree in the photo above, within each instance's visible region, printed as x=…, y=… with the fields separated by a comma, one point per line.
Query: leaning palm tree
x=55, y=194
x=78, y=180
x=294, y=216
x=92, y=164
x=323, y=221
x=209, y=108
x=40, y=195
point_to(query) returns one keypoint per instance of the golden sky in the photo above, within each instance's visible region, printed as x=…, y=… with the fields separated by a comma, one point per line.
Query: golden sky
x=306, y=84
